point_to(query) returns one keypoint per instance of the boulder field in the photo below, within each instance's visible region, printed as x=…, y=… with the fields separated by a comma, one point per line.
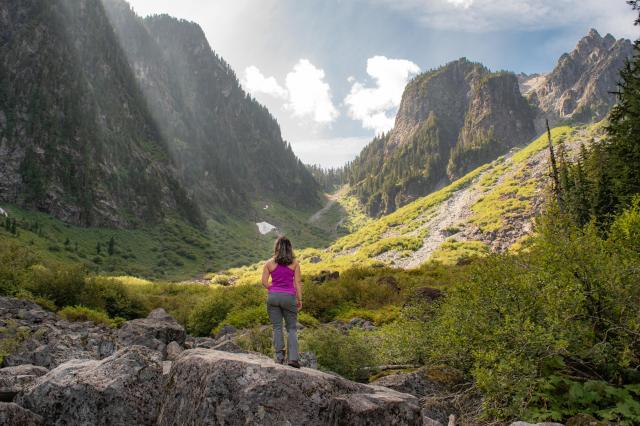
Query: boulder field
x=150, y=372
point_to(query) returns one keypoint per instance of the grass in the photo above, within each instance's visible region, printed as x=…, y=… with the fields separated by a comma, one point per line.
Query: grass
x=171, y=250
x=451, y=252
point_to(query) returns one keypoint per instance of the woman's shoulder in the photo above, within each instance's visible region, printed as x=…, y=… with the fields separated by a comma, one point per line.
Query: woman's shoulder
x=270, y=263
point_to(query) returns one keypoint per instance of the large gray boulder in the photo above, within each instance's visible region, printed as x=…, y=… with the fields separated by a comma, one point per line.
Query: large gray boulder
x=14, y=415
x=14, y=380
x=535, y=424
x=155, y=332
x=123, y=389
x=208, y=387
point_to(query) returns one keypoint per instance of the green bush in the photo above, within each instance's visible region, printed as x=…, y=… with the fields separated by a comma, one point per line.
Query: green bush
x=347, y=354
x=257, y=339
x=568, y=308
x=380, y=316
x=82, y=313
x=210, y=312
x=62, y=285
x=307, y=319
x=245, y=318
x=111, y=296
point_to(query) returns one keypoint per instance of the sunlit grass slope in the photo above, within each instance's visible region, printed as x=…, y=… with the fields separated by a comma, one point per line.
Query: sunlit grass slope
x=507, y=189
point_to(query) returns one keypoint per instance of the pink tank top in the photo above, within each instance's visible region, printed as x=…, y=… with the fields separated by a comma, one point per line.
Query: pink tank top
x=282, y=280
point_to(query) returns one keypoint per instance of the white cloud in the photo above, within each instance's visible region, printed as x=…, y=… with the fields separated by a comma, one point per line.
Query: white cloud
x=309, y=94
x=376, y=106
x=497, y=15
x=255, y=82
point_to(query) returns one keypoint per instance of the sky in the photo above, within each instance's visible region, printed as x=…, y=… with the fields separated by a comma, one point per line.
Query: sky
x=332, y=72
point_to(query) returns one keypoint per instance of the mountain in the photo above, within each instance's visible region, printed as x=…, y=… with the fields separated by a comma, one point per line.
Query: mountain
x=492, y=208
x=581, y=87
x=76, y=137
x=461, y=115
x=108, y=119
x=450, y=120
x=227, y=147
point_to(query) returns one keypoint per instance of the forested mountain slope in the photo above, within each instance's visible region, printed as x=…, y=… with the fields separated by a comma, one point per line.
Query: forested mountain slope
x=108, y=119
x=450, y=121
x=76, y=137
x=227, y=147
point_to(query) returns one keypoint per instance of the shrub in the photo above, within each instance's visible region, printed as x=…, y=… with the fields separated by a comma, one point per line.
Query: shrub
x=257, y=339
x=82, y=313
x=347, y=354
x=211, y=311
x=381, y=316
x=245, y=318
x=568, y=308
x=307, y=319
x=61, y=284
x=112, y=297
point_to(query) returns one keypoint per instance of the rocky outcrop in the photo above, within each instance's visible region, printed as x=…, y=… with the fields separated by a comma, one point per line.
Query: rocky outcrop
x=14, y=415
x=212, y=387
x=136, y=386
x=41, y=338
x=580, y=88
x=123, y=389
x=155, y=332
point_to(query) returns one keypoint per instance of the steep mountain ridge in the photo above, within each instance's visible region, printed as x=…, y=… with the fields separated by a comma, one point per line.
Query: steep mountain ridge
x=461, y=115
x=228, y=148
x=582, y=86
x=108, y=119
x=76, y=138
x=450, y=120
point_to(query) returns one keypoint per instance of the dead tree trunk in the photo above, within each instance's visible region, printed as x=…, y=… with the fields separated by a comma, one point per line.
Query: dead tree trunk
x=554, y=171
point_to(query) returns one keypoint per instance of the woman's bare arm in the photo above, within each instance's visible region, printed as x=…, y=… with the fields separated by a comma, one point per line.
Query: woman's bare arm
x=298, y=285
x=265, y=275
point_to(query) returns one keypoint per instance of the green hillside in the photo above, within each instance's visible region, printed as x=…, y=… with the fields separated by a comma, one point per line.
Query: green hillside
x=508, y=192
x=172, y=249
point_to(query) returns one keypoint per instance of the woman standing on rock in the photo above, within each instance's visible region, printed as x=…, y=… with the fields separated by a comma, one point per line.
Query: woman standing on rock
x=285, y=298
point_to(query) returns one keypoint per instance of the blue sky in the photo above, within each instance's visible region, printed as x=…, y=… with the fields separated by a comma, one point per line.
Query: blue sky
x=332, y=71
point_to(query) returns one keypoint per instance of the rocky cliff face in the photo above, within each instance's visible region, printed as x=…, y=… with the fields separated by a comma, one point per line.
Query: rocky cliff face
x=76, y=137
x=581, y=86
x=450, y=120
x=227, y=147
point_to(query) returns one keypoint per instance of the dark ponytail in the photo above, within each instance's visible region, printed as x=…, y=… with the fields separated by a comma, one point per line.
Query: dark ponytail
x=283, y=251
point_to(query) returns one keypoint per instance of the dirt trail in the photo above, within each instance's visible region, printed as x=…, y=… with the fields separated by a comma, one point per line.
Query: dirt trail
x=331, y=200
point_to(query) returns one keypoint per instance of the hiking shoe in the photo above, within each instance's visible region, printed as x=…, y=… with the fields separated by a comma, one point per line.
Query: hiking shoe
x=294, y=364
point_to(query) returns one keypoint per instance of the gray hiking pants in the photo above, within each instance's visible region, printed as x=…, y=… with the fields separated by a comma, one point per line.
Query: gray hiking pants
x=279, y=306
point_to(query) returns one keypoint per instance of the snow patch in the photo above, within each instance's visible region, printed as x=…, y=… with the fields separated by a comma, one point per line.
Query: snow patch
x=265, y=227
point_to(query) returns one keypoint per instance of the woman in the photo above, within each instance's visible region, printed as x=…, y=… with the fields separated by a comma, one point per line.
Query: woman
x=285, y=298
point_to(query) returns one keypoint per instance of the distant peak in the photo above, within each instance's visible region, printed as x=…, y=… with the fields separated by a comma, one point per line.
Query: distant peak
x=593, y=33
